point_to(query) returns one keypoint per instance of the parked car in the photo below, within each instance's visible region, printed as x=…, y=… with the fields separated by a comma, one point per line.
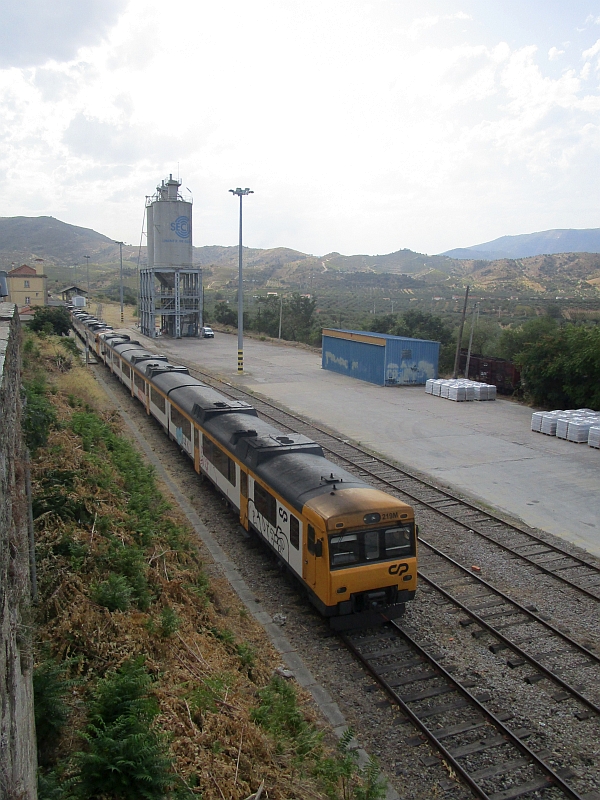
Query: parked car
x=207, y=333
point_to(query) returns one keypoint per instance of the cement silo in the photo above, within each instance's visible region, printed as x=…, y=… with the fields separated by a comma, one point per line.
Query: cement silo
x=170, y=287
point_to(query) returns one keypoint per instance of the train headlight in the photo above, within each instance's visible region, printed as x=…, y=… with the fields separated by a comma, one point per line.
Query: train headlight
x=369, y=519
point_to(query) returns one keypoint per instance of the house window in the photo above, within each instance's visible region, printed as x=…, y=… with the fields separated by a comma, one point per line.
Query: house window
x=26, y=285
x=27, y=301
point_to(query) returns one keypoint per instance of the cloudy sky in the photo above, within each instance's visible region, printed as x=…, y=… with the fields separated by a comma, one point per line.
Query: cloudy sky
x=362, y=126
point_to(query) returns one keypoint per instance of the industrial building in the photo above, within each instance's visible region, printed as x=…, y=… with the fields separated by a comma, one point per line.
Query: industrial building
x=170, y=287
x=380, y=358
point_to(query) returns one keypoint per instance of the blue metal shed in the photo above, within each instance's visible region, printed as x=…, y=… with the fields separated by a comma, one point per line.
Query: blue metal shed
x=380, y=358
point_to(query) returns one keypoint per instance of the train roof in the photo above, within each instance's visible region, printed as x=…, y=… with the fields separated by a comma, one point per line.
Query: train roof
x=300, y=477
x=124, y=347
x=136, y=354
x=203, y=403
x=158, y=369
x=168, y=381
x=255, y=441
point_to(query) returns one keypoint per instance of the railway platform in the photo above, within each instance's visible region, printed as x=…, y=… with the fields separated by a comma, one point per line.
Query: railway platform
x=485, y=450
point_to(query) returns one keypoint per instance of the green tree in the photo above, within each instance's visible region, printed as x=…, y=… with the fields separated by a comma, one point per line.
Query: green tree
x=225, y=314
x=383, y=324
x=51, y=319
x=560, y=364
x=298, y=313
x=267, y=316
x=423, y=325
x=514, y=340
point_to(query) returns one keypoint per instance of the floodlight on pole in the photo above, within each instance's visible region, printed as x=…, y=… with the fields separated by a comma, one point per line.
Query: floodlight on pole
x=121, y=278
x=240, y=193
x=87, y=258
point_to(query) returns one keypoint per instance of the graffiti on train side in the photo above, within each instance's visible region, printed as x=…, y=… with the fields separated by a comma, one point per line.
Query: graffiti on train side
x=275, y=536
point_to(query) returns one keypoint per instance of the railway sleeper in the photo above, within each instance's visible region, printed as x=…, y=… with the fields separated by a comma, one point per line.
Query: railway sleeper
x=525, y=788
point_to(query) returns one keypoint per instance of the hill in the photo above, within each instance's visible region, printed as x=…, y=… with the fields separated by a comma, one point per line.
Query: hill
x=375, y=282
x=23, y=239
x=567, y=240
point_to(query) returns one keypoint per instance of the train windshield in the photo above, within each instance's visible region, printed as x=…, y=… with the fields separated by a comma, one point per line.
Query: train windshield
x=376, y=544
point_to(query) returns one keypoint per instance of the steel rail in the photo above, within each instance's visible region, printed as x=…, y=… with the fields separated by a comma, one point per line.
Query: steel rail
x=554, y=778
x=508, y=642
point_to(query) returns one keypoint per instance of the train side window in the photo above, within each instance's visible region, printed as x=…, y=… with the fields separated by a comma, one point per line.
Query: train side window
x=157, y=399
x=243, y=483
x=139, y=381
x=265, y=504
x=179, y=421
x=219, y=459
x=295, y=532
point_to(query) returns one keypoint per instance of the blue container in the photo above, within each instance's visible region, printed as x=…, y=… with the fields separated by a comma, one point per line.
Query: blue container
x=380, y=358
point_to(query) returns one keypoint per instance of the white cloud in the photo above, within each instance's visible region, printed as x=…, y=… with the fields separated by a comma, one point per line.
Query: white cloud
x=354, y=136
x=421, y=24
x=555, y=53
x=591, y=51
x=33, y=31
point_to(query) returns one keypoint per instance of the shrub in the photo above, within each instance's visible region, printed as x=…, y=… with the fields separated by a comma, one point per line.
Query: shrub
x=50, y=690
x=114, y=593
x=169, y=622
x=49, y=319
x=39, y=415
x=126, y=758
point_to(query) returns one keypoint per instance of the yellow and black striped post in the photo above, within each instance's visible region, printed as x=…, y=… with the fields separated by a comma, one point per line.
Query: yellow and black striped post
x=240, y=361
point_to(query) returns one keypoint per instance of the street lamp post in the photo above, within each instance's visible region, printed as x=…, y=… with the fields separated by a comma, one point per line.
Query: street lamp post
x=240, y=193
x=121, y=277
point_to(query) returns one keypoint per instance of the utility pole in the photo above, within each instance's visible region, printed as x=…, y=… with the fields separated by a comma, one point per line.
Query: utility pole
x=280, y=315
x=240, y=193
x=88, y=276
x=121, y=277
x=473, y=322
x=460, y=333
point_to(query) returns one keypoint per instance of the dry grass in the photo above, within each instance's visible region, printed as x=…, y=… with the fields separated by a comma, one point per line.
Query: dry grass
x=205, y=686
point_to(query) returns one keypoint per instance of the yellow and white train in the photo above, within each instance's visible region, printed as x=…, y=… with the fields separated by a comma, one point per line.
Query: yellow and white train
x=353, y=547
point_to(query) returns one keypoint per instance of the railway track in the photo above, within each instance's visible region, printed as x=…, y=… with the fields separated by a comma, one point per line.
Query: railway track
x=580, y=573
x=496, y=761
x=493, y=759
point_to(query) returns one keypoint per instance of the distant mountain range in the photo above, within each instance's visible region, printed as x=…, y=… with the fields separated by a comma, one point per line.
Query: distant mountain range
x=59, y=244
x=567, y=240
x=551, y=263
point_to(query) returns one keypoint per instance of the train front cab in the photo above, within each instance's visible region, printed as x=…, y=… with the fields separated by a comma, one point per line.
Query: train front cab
x=359, y=564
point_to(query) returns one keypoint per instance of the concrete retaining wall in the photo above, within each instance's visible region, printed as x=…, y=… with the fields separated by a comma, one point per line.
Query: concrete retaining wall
x=17, y=729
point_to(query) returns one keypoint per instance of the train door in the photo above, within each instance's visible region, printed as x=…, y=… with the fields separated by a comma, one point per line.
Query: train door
x=197, y=435
x=243, y=497
x=314, y=550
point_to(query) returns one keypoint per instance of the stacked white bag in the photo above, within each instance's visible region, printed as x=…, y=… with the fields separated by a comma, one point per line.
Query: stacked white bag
x=580, y=425
x=460, y=390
